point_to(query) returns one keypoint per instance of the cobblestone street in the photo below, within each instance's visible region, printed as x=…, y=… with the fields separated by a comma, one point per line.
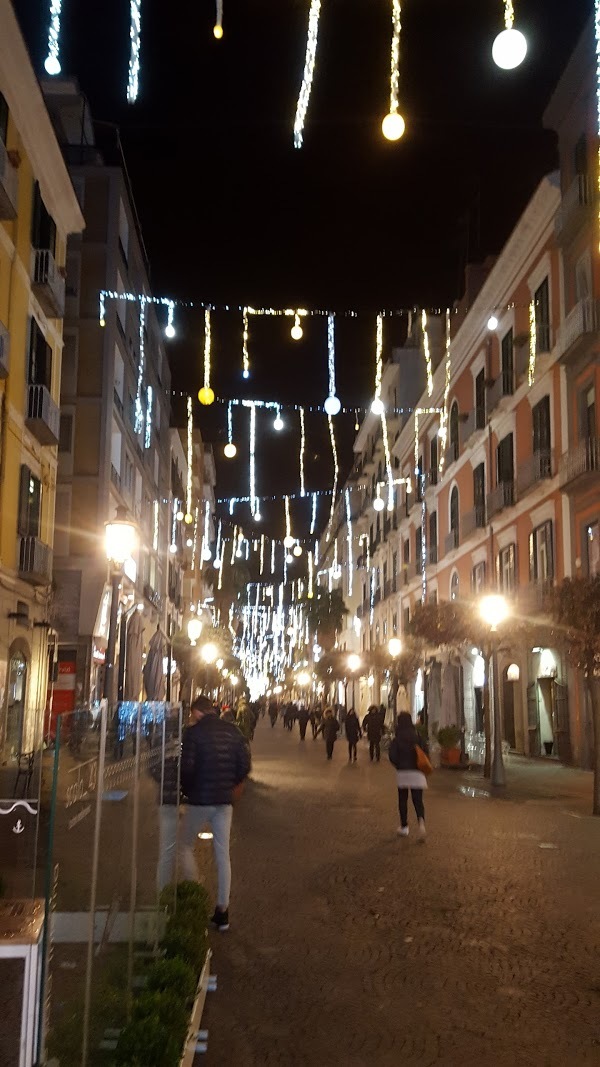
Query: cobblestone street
x=351, y=946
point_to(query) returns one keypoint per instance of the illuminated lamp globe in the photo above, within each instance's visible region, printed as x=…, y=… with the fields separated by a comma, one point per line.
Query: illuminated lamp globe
x=217, y=564
x=278, y=423
x=194, y=629
x=332, y=405
x=170, y=331
x=377, y=406
x=173, y=549
x=52, y=66
x=378, y=503
x=297, y=550
x=310, y=594
x=509, y=49
x=220, y=664
x=218, y=31
x=393, y=126
x=303, y=678
x=289, y=558
x=206, y=396
x=354, y=662
x=238, y=553
x=288, y=541
x=207, y=554
x=188, y=518
x=234, y=680
x=246, y=374
x=395, y=646
x=296, y=332
x=209, y=652
x=189, y=542
x=120, y=537
x=179, y=516
x=230, y=450
x=492, y=323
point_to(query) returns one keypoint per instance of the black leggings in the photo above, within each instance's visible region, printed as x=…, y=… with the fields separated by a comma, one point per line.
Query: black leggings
x=329, y=743
x=351, y=749
x=417, y=799
x=374, y=750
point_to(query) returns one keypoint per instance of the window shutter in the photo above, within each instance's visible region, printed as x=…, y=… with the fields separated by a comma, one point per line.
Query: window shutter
x=22, y=521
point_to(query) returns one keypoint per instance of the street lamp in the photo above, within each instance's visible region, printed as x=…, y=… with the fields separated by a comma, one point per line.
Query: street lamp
x=494, y=610
x=303, y=679
x=194, y=629
x=209, y=652
x=120, y=542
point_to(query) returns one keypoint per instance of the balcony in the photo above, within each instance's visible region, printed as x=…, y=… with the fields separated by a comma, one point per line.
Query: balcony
x=387, y=588
x=503, y=496
x=47, y=283
x=451, y=453
x=578, y=331
x=534, y=598
x=8, y=185
x=409, y=571
x=431, y=478
x=433, y=555
x=451, y=542
x=115, y=477
x=376, y=597
x=575, y=207
x=535, y=469
x=35, y=561
x=153, y=597
x=472, y=520
x=4, y=351
x=473, y=422
x=503, y=386
x=43, y=416
x=580, y=465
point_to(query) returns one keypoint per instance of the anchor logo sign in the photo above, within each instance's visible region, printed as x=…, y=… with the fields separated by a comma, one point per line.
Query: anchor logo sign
x=18, y=827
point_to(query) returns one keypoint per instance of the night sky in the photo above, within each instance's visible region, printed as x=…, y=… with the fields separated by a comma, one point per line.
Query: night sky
x=232, y=213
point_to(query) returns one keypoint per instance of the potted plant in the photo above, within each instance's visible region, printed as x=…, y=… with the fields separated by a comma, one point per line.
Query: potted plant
x=448, y=739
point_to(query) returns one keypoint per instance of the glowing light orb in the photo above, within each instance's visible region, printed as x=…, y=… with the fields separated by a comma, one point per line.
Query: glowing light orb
x=297, y=550
x=206, y=395
x=288, y=541
x=230, y=451
x=509, y=49
x=332, y=405
x=296, y=332
x=393, y=126
x=52, y=66
x=378, y=503
x=206, y=554
x=278, y=423
x=170, y=331
x=188, y=519
x=172, y=549
x=377, y=406
x=218, y=31
x=492, y=323
x=179, y=516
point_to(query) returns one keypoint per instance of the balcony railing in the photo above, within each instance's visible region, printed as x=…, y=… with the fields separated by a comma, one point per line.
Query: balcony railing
x=152, y=596
x=47, y=283
x=503, y=496
x=376, y=597
x=409, y=571
x=115, y=477
x=535, y=597
x=451, y=453
x=578, y=198
x=43, y=415
x=535, y=469
x=4, y=351
x=472, y=520
x=451, y=542
x=431, y=477
x=35, y=561
x=433, y=555
x=578, y=329
x=473, y=422
x=503, y=386
x=8, y=185
x=581, y=460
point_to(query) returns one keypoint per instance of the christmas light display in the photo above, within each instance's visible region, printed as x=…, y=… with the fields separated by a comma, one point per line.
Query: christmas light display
x=272, y=557
x=170, y=327
x=288, y=540
x=148, y=432
x=206, y=395
x=245, y=339
x=332, y=404
x=302, y=450
x=313, y=516
x=532, y=344
x=296, y=330
x=388, y=461
x=309, y=70
x=278, y=421
x=443, y=431
x=428, y=365
x=393, y=125
x=349, y=541
x=190, y=457
x=262, y=553
x=230, y=450
x=377, y=405
x=218, y=26
x=510, y=46
x=135, y=37
x=336, y=471
x=52, y=62
x=139, y=413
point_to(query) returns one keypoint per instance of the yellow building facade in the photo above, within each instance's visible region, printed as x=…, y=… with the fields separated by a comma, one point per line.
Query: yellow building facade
x=38, y=209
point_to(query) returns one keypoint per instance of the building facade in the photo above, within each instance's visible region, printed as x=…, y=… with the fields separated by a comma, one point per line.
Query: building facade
x=38, y=211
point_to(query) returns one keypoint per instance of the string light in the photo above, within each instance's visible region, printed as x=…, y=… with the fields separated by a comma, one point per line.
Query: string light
x=296, y=330
x=173, y=545
x=349, y=540
x=378, y=406
x=309, y=70
x=311, y=568
x=194, y=541
x=288, y=540
x=148, y=433
x=532, y=343
x=135, y=36
x=313, y=517
x=272, y=557
x=206, y=395
x=245, y=339
x=443, y=431
x=218, y=545
x=190, y=457
x=510, y=46
x=336, y=471
x=393, y=125
x=234, y=545
x=139, y=414
x=388, y=461
x=332, y=404
x=218, y=26
x=262, y=553
x=302, y=448
x=230, y=450
x=52, y=62
x=426, y=349
x=278, y=421
x=170, y=328
x=253, y=502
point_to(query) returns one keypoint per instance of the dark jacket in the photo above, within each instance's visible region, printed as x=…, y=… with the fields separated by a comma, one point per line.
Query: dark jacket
x=329, y=728
x=373, y=725
x=402, y=749
x=303, y=716
x=166, y=773
x=352, y=727
x=214, y=760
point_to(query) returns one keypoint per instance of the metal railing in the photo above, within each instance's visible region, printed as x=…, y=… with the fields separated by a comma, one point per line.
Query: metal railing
x=115, y=477
x=538, y=467
x=583, y=458
x=8, y=185
x=452, y=541
x=473, y=421
x=43, y=415
x=433, y=554
x=582, y=320
x=503, y=496
x=472, y=520
x=48, y=283
x=503, y=386
x=580, y=194
x=35, y=560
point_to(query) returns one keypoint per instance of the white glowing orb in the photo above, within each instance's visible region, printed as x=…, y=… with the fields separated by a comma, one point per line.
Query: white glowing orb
x=289, y=558
x=509, y=49
x=377, y=406
x=189, y=542
x=173, y=549
x=378, y=503
x=393, y=126
x=170, y=331
x=297, y=550
x=230, y=450
x=217, y=564
x=288, y=541
x=246, y=374
x=296, y=332
x=218, y=31
x=332, y=405
x=492, y=323
x=278, y=423
x=206, y=554
x=52, y=66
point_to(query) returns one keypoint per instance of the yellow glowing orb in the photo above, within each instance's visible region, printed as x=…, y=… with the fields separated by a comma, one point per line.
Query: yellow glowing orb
x=218, y=31
x=206, y=395
x=393, y=126
x=296, y=332
x=230, y=451
x=188, y=519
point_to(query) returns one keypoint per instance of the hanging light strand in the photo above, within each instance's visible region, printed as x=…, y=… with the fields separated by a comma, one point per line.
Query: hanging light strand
x=309, y=70
x=135, y=37
x=190, y=456
x=349, y=541
x=532, y=344
x=288, y=524
x=311, y=570
x=395, y=56
x=229, y=424
x=302, y=451
x=443, y=434
x=252, y=466
x=262, y=553
x=428, y=366
x=207, y=347
x=218, y=26
x=388, y=461
x=336, y=471
x=313, y=517
x=378, y=357
x=509, y=14
x=139, y=414
x=272, y=557
x=52, y=62
x=245, y=339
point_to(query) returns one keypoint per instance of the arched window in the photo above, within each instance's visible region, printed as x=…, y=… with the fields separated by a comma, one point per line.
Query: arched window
x=453, y=448
x=453, y=538
x=454, y=586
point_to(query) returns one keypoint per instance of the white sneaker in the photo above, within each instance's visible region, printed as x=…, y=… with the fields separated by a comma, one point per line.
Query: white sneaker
x=402, y=831
x=422, y=830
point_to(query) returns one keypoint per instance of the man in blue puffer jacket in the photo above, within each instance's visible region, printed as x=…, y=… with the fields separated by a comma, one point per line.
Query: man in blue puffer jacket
x=215, y=761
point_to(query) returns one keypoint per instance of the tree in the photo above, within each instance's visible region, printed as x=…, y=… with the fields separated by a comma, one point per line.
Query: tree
x=576, y=610
x=325, y=614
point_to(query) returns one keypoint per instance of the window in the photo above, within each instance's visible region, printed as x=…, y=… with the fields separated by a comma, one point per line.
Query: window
x=593, y=548
x=65, y=440
x=40, y=357
x=454, y=503
x=420, y=479
x=507, y=569
x=453, y=450
x=406, y=617
x=3, y=119
x=30, y=504
x=480, y=400
x=433, y=461
x=385, y=574
x=479, y=494
x=504, y=460
x=541, y=555
x=406, y=551
x=123, y=231
x=43, y=228
x=395, y=622
x=128, y=474
x=433, y=537
x=507, y=366
x=418, y=545
x=541, y=436
x=587, y=412
x=394, y=571
x=119, y=375
x=580, y=157
x=478, y=578
x=454, y=586
x=541, y=299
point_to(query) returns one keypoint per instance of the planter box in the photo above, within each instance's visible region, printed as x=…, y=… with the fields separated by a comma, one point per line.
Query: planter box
x=450, y=757
x=189, y=1050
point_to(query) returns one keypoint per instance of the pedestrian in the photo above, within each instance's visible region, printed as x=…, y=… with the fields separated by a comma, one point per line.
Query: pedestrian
x=313, y=722
x=353, y=733
x=405, y=758
x=273, y=712
x=373, y=729
x=303, y=717
x=382, y=715
x=245, y=719
x=214, y=763
x=330, y=729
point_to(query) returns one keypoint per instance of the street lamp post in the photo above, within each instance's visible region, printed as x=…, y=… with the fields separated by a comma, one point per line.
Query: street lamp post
x=120, y=542
x=394, y=649
x=494, y=610
x=354, y=665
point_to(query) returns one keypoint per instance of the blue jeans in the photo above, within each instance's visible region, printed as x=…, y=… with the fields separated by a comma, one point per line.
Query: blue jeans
x=218, y=817
x=168, y=815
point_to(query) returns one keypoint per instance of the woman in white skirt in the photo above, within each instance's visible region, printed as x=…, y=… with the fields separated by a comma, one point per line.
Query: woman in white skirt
x=403, y=756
